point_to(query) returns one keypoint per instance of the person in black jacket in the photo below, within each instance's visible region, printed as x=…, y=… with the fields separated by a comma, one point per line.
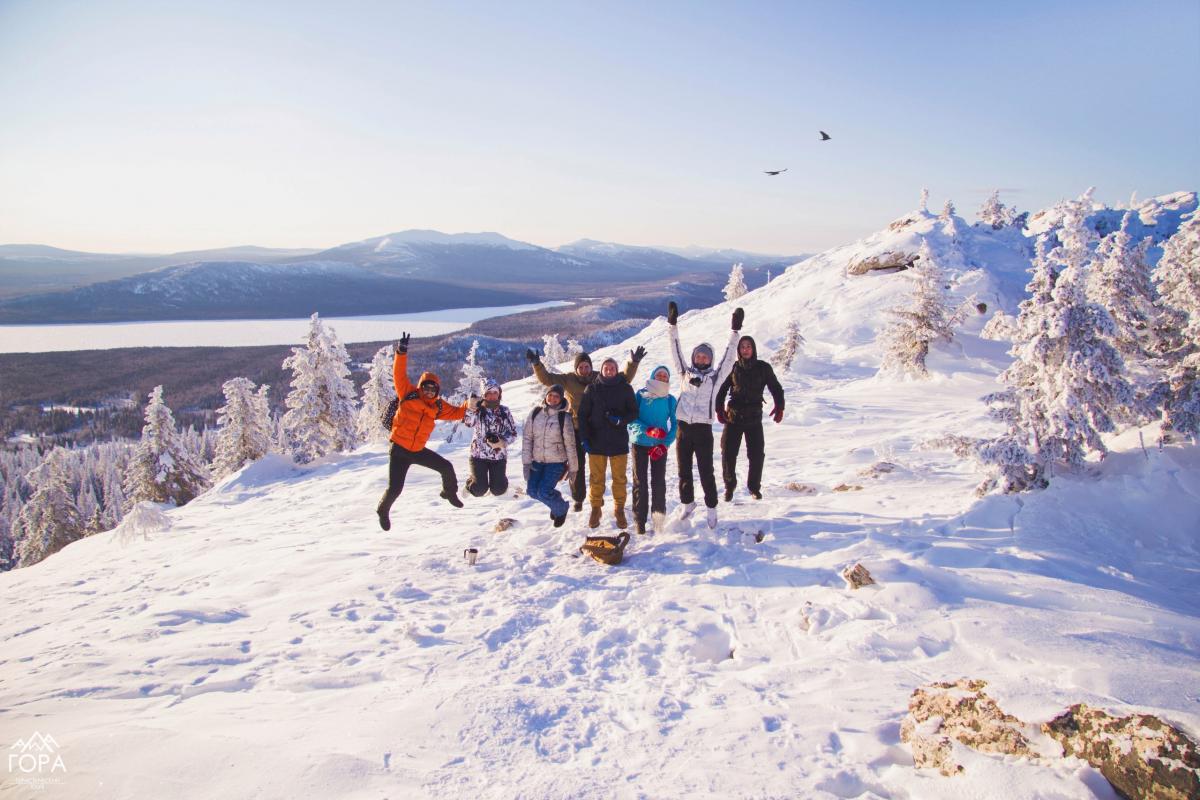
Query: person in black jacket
x=742, y=414
x=607, y=408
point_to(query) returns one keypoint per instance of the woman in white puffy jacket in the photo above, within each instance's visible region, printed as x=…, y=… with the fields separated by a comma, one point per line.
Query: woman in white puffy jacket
x=548, y=452
x=700, y=379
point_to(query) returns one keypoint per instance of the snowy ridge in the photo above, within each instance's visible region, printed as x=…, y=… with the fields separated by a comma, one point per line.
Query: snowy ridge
x=273, y=641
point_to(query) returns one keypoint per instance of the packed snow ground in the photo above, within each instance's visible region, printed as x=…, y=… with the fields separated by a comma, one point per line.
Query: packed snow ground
x=273, y=642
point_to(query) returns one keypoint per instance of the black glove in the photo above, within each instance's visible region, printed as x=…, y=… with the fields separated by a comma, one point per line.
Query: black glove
x=402, y=345
x=672, y=313
x=638, y=354
x=738, y=316
x=531, y=356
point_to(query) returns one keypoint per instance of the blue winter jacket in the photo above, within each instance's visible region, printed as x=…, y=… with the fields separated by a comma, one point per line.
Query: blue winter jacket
x=654, y=412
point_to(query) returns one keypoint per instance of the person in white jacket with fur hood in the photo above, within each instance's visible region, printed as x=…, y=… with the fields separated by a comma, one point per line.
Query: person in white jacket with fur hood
x=700, y=379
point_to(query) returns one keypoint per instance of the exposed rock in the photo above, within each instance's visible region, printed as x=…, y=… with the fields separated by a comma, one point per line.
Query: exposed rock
x=846, y=487
x=877, y=469
x=903, y=223
x=1142, y=756
x=981, y=308
x=801, y=488
x=888, y=261
x=505, y=524
x=857, y=576
x=944, y=713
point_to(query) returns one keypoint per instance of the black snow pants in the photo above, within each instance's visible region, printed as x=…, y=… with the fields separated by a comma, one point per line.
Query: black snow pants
x=401, y=459
x=656, y=497
x=579, y=485
x=696, y=439
x=488, y=475
x=731, y=443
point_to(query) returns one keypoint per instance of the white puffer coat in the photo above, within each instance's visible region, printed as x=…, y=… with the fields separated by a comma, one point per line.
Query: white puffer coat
x=542, y=442
x=696, y=403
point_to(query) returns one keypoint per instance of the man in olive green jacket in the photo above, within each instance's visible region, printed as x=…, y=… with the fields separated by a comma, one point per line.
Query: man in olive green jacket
x=575, y=382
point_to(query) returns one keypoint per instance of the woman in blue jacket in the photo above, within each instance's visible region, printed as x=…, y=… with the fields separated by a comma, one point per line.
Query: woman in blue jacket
x=652, y=432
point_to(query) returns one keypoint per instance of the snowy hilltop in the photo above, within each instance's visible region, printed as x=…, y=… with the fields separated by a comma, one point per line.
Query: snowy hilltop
x=267, y=639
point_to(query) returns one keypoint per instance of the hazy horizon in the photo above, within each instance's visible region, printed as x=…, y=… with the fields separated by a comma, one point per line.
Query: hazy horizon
x=138, y=127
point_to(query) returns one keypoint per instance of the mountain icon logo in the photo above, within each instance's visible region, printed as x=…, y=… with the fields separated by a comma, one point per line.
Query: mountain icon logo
x=38, y=743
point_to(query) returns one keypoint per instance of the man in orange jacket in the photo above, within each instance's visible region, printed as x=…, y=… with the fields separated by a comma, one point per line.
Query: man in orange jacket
x=418, y=410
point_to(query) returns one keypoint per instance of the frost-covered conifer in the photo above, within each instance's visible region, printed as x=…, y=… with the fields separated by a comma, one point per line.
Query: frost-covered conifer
x=1176, y=331
x=1119, y=280
x=574, y=348
x=49, y=520
x=321, y=406
x=924, y=205
x=470, y=379
x=793, y=341
x=377, y=393
x=926, y=318
x=552, y=351
x=1067, y=384
x=470, y=382
x=736, y=287
x=245, y=426
x=993, y=213
x=1001, y=328
x=161, y=468
x=947, y=211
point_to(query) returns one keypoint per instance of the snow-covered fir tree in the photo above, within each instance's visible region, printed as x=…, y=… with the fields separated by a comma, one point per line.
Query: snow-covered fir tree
x=993, y=213
x=927, y=317
x=552, y=350
x=947, y=211
x=244, y=433
x=736, y=287
x=377, y=393
x=49, y=520
x=470, y=380
x=1067, y=385
x=1175, y=341
x=1000, y=328
x=574, y=348
x=161, y=468
x=923, y=207
x=793, y=341
x=321, y=416
x=1119, y=280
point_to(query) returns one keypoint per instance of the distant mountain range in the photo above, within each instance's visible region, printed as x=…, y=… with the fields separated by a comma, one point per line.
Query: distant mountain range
x=413, y=270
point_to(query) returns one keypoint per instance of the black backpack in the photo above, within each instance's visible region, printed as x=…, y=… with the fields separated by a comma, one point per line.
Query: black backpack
x=562, y=416
x=389, y=414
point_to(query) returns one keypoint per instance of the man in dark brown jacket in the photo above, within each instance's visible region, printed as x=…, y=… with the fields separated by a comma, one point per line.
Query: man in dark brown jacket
x=575, y=383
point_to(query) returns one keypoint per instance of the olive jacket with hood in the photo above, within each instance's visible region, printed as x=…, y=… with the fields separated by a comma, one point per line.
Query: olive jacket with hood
x=575, y=385
x=415, y=415
x=698, y=387
x=546, y=441
x=744, y=388
x=488, y=421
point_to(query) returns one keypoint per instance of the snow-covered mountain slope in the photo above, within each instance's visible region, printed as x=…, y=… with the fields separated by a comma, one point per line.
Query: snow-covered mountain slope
x=274, y=642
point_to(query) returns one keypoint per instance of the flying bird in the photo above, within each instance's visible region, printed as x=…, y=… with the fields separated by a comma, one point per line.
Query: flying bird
x=825, y=137
x=774, y=171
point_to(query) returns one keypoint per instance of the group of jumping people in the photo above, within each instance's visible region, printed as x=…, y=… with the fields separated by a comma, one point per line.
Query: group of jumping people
x=599, y=416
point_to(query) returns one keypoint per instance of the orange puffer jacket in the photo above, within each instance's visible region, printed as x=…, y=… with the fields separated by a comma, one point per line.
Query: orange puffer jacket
x=415, y=416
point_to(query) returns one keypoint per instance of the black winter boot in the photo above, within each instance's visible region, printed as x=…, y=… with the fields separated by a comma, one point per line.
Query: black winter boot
x=452, y=499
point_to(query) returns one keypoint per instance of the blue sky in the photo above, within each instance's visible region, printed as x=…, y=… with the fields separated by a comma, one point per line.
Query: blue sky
x=162, y=126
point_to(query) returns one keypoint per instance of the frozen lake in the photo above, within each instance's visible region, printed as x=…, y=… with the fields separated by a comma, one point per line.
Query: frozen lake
x=241, y=332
